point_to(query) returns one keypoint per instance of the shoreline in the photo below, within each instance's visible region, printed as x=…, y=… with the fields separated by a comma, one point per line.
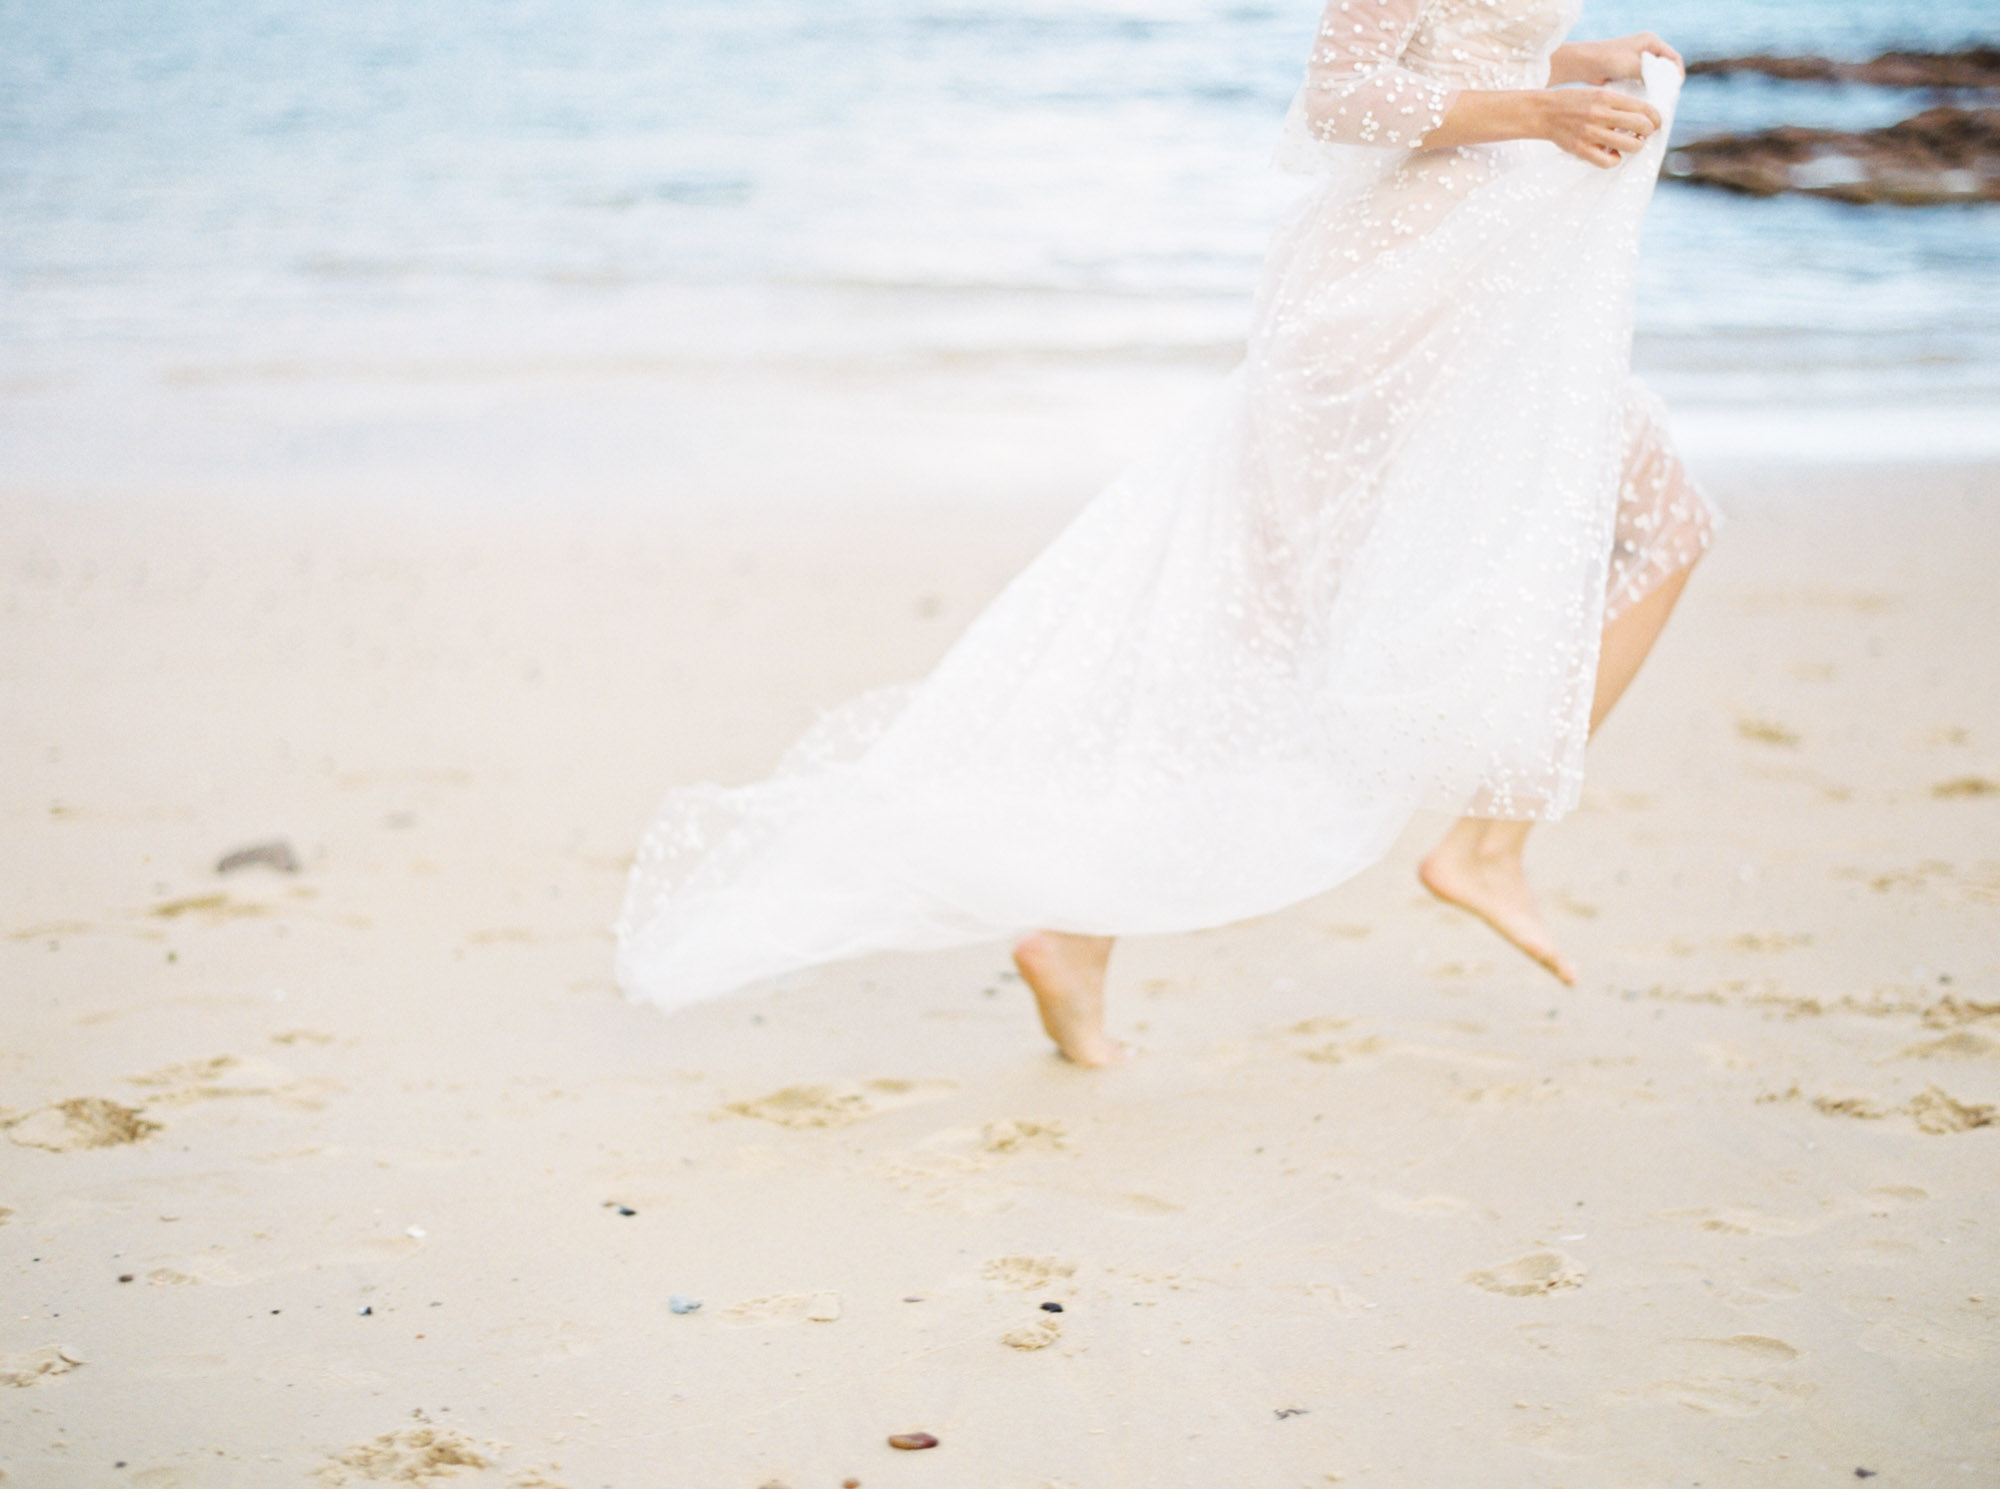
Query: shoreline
x=745, y=444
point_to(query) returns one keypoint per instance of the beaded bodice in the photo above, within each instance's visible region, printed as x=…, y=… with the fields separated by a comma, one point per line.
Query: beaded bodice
x=1485, y=43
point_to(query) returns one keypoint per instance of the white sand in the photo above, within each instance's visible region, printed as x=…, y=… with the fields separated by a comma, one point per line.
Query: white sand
x=1380, y=1204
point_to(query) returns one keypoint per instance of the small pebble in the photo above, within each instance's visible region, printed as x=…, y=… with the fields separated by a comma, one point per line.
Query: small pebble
x=1052, y=1308
x=124, y=1276
x=681, y=1303
x=910, y=1442
x=850, y=1484
x=627, y=1210
x=1864, y=1473
x=365, y=1311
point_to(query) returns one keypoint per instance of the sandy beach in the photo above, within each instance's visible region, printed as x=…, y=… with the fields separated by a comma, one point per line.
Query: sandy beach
x=364, y=1173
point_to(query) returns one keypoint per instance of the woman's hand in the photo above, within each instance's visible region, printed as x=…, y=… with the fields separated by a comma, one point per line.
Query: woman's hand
x=1601, y=62
x=1592, y=123
x=1595, y=124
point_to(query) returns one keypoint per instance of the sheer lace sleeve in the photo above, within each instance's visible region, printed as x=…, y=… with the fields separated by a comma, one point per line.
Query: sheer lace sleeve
x=1356, y=90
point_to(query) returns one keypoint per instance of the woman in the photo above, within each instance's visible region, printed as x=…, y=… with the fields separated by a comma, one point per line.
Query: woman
x=1416, y=549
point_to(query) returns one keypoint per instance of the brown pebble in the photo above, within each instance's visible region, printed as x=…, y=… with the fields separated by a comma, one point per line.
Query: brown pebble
x=850, y=1484
x=909, y=1442
x=124, y=1276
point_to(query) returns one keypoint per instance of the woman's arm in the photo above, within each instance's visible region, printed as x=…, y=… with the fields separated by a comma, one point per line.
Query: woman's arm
x=1592, y=123
x=1357, y=92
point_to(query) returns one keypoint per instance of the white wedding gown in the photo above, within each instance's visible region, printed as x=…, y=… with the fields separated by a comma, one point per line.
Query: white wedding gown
x=1370, y=579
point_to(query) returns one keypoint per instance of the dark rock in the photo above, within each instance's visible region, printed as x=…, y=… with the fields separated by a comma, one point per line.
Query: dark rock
x=1941, y=156
x=276, y=854
x=1969, y=67
x=1052, y=1308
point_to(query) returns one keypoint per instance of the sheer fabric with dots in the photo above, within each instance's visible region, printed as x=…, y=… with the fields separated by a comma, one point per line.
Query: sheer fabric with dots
x=1370, y=578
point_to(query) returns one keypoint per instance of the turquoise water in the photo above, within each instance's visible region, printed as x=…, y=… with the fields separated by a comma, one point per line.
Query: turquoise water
x=206, y=189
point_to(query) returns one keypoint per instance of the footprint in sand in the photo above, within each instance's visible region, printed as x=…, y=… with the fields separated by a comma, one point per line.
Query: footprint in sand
x=1758, y=1290
x=1326, y=1023
x=220, y=1077
x=416, y=1455
x=1766, y=731
x=1023, y=1135
x=1532, y=1275
x=1743, y=1221
x=1960, y=1044
x=1741, y=1346
x=1965, y=787
x=1768, y=941
x=1431, y=1204
x=1374, y=1046
x=38, y=1367
x=837, y=1105
x=1341, y=1051
x=1729, y=1395
x=1889, y=1198
x=1033, y=1336
x=1950, y=1011
x=1851, y=1104
x=1029, y=1273
x=81, y=1122
x=784, y=1308
x=957, y=1151
x=1145, y=1206
x=1937, y=1113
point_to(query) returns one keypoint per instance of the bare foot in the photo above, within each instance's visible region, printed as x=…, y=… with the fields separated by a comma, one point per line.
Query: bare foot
x=1478, y=868
x=1066, y=975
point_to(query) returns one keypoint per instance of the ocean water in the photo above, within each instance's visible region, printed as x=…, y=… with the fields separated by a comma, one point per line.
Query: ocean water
x=198, y=192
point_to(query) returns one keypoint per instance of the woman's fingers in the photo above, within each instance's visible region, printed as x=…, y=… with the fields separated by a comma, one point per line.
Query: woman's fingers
x=1650, y=43
x=1608, y=142
x=1633, y=115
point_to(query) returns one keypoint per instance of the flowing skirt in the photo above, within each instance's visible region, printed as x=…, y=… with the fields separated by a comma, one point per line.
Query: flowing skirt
x=1371, y=578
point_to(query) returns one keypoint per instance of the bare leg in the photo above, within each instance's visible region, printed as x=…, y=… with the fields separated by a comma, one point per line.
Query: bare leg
x=1066, y=975
x=1629, y=639
x=1478, y=865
